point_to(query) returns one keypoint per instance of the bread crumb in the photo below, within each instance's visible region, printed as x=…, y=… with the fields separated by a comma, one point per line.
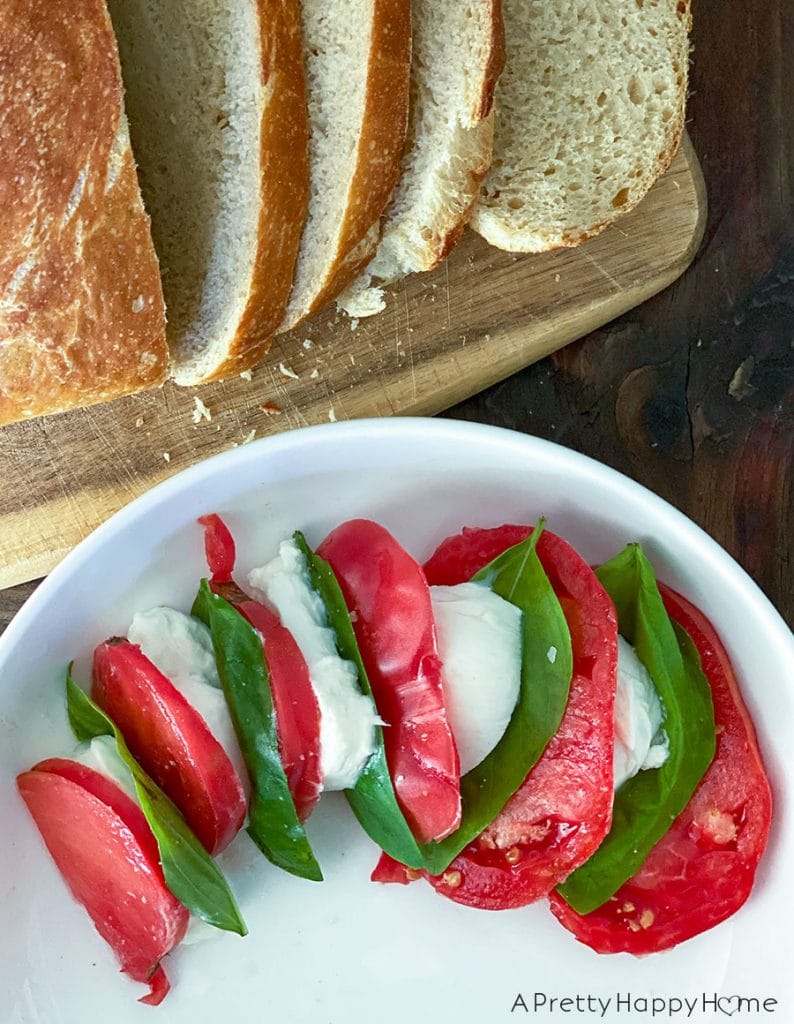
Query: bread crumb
x=332, y=415
x=167, y=456
x=361, y=299
x=270, y=408
x=557, y=278
x=201, y=412
x=247, y=375
x=314, y=374
x=139, y=421
x=308, y=343
x=286, y=371
x=740, y=386
x=138, y=304
x=249, y=437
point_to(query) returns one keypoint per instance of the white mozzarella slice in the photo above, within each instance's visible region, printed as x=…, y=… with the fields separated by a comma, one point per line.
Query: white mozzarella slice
x=347, y=716
x=640, y=741
x=181, y=648
x=101, y=754
x=479, y=642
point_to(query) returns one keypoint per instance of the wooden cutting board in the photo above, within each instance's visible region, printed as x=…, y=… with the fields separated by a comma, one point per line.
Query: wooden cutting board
x=478, y=318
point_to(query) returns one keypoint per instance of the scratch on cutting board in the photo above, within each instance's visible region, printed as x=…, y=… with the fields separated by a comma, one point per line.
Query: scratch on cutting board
x=396, y=321
x=449, y=312
x=232, y=406
x=115, y=461
x=410, y=347
x=72, y=501
x=331, y=410
x=601, y=270
x=292, y=408
x=283, y=393
x=284, y=396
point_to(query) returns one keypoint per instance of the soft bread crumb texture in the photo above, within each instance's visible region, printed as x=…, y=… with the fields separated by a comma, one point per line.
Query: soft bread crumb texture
x=589, y=112
x=457, y=55
x=194, y=88
x=336, y=42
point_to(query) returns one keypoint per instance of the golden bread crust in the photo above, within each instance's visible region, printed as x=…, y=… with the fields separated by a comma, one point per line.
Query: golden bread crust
x=81, y=308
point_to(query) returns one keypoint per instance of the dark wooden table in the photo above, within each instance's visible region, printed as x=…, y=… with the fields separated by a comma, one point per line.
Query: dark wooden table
x=692, y=394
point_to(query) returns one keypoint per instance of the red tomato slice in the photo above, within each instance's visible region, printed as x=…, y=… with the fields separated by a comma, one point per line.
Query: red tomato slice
x=702, y=871
x=563, y=810
x=391, y=871
x=106, y=853
x=387, y=592
x=294, y=699
x=113, y=795
x=219, y=548
x=171, y=741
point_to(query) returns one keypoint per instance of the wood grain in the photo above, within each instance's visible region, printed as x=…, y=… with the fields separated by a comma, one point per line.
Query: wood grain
x=478, y=318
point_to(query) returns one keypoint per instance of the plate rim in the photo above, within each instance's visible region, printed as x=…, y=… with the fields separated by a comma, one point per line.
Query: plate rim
x=387, y=429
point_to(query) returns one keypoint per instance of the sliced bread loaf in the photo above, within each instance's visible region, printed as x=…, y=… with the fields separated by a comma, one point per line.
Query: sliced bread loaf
x=590, y=111
x=458, y=53
x=215, y=95
x=81, y=308
x=357, y=55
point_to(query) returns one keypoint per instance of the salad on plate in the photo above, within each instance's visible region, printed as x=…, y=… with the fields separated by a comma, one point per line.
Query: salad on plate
x=507, y=723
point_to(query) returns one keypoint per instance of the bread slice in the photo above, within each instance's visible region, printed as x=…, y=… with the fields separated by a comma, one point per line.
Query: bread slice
x=590, y=111
x=216, y=101
x=81, y=308
x=458, y=54
x=357, y=55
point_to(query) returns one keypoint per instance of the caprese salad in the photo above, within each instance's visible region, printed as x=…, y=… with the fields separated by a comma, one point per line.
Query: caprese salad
x=505, y=721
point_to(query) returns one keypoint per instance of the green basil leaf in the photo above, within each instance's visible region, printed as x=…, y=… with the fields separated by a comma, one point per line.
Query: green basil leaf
x=647, y=805
x=517, y=576
x=273, y=821
x=190, y=873
x=372, y=800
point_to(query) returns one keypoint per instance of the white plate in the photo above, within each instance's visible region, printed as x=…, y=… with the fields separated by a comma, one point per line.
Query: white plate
x=348, y=951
